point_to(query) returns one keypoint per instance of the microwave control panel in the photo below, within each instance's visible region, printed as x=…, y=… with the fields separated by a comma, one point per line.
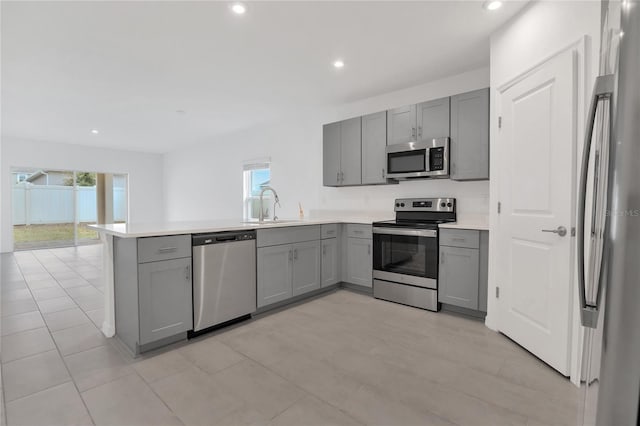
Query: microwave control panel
x=436, y=159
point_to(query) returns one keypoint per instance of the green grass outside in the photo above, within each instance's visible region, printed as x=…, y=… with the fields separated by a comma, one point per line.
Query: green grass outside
x=51, y=232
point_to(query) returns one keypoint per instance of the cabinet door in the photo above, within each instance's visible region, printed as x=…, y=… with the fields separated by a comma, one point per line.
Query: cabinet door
x=359, y=261
x=351, y=152
x=374, y=142
x=470, y=135
x=433, y=119
x=401, y=125
x=331, y=154
x=306, y=267
x=274, y=274
x=165, y=299
x=458, y=277
x=329, y=262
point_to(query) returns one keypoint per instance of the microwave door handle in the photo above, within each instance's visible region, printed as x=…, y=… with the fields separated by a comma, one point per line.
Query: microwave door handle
x=603, y=90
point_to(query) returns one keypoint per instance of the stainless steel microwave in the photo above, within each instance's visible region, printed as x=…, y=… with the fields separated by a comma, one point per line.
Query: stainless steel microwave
x=424, y=159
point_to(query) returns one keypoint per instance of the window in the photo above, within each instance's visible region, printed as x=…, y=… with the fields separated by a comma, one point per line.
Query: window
x=256, y=176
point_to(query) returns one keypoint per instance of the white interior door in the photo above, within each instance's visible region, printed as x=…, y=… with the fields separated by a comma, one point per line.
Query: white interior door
x=536, y=172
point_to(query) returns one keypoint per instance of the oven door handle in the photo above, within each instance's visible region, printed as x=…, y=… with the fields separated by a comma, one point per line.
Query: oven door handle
x=429, y=233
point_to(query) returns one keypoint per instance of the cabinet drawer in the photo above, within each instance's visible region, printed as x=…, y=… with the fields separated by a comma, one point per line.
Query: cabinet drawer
x=329, y=231
x=359, y=231
x=460, y=238
x=153, y=249
x=294, y=234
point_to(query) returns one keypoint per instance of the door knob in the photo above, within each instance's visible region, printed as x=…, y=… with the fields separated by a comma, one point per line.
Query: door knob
x=561, y=231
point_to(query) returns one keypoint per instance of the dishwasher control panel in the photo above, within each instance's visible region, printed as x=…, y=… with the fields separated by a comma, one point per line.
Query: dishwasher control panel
x=222, y=237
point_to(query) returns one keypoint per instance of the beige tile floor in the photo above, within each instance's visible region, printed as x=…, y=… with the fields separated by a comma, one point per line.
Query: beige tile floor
x=341, y=359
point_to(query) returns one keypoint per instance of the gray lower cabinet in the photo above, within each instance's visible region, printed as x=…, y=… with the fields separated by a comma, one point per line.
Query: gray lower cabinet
x=470, y=135
x=342, y=153
x=306, y=267
x=330, y=263
x=274, y=274
x=153, y=290
x=462, y=274
x=374, y=144
x=289, y=262
x=433, y=119
x=165, y=293
x=458, y=280
x=360, y=261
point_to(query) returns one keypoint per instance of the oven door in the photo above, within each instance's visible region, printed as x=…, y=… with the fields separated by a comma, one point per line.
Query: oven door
x=407, y=256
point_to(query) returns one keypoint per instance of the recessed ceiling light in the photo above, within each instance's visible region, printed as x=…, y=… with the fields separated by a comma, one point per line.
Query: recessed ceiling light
x=238, y=8
x=95, y=131
x=492, y=5
x=338, y=63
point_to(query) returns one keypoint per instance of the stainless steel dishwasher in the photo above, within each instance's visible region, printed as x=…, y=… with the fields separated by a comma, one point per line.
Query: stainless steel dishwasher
x=224, y=277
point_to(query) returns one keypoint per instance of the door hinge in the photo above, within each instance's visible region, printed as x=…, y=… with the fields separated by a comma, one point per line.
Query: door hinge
x=500, y=122
x=499, y=207
x=497, y=292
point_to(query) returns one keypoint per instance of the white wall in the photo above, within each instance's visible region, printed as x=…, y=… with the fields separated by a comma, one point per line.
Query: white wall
x=205, y=181
x=144, y=170
x=539, y=31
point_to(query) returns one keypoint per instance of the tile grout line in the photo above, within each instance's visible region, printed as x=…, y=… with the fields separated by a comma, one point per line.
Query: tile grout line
x=306, y=392
x=75, y=385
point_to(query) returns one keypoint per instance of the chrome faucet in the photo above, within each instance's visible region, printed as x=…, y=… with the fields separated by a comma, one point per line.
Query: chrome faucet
x=276, y=201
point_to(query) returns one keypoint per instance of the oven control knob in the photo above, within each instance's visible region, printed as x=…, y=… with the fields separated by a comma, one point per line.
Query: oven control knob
x=443, y=205
x=397, y=204
x=449, y=204
x=401, y=204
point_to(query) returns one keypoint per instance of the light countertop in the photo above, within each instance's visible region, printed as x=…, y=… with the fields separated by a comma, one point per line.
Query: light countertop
x=478, y=222
x=136, y=230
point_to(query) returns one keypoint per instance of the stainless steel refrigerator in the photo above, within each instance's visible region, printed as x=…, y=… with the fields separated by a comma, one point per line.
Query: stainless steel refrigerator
x=609, y=226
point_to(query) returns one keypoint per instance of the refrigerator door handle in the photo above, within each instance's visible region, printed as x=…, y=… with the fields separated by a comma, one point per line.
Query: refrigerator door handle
x=603, y=90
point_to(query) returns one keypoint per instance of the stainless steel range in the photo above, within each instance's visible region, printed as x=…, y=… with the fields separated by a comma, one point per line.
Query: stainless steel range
x=405, y=252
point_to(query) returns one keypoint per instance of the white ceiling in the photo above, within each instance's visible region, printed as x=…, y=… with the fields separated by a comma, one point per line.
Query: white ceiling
x=125, y=68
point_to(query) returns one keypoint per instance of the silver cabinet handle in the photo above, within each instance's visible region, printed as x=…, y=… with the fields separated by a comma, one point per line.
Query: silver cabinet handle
x=295, y=254
x=382, y=173
x=187, y=273
x=368, y=248
x=167, y=249
x=603, y=90
x=420, y=131
x=560, y=230
x=413, y=132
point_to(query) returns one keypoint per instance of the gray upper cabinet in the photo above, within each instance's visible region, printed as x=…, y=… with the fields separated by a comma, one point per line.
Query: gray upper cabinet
x=401, y=125
x=274, y=274
x=330, y=264
x=351, y=152
x=433, y=119
x=331, y=154
x=470, y=135
x=374, y=143
x=342, y=153
x=360, y=261
x=306, y=267
x=165, y=298
x=458, y=276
